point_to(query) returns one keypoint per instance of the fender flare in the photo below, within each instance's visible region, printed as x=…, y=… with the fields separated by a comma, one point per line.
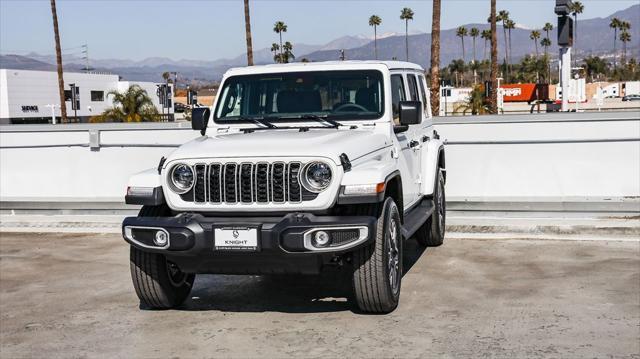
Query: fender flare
x=435, y=160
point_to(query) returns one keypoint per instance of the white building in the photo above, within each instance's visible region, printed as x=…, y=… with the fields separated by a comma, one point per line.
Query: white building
x=32, y=96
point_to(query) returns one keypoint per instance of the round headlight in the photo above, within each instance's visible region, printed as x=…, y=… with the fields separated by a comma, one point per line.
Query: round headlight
x=181, y=178
x=316, y=176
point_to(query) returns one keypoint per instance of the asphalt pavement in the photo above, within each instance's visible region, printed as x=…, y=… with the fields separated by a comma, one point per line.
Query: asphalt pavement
x=70, y=295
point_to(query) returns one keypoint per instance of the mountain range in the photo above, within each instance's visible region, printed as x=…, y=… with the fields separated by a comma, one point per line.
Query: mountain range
x=594, y=38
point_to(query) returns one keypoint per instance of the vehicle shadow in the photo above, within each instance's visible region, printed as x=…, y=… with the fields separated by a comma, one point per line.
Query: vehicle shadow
x=327, y=292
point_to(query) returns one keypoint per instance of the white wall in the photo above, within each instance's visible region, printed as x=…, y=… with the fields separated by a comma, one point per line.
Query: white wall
x=525, y=158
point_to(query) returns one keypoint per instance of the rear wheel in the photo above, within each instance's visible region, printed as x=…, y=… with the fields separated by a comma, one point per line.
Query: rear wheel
x=159, y=283
x=377, y=272
x=431, y=234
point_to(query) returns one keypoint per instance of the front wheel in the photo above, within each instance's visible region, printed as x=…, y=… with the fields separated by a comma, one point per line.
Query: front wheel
x=377, y=272
x=159, y=283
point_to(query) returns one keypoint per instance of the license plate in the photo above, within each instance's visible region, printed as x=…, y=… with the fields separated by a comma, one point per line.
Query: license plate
x=236, y=239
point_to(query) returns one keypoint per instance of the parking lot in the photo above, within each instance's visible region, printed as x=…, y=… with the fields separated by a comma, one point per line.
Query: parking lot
x=70, y=295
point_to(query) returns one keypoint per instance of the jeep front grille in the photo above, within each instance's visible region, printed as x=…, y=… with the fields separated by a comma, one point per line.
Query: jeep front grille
x=248, y=183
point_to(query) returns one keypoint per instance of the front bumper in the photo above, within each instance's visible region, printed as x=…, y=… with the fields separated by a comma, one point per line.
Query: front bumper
x=281, y=242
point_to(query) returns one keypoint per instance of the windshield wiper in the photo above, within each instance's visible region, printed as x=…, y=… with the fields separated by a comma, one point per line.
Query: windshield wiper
x=321, y=119
x=260, y=121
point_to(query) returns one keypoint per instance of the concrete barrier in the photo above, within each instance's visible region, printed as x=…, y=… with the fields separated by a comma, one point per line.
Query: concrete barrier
x=514, y=162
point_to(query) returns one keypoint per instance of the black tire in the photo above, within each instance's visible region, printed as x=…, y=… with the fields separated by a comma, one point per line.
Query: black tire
x=431, y=233
x=159, y=283
x=375, y=288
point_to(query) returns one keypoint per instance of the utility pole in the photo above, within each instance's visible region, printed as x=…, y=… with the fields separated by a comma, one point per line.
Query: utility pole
x=85, y=51
x=63, y=105
x=565, y=41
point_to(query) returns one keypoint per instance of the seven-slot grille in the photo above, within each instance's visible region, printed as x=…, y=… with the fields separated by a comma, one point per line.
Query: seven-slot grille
x=248, y=183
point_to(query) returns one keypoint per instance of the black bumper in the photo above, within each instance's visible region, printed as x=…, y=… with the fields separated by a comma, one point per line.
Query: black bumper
x=281, y=247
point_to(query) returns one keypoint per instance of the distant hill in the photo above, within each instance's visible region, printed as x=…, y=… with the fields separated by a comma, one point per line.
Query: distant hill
x=595, y=38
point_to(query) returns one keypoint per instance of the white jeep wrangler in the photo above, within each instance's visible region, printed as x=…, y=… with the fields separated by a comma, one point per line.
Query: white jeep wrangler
x=299, y=167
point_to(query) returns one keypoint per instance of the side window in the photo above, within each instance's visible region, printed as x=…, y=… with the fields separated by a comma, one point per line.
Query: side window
x=423, y=92
x=413, y=87
x=397, y=94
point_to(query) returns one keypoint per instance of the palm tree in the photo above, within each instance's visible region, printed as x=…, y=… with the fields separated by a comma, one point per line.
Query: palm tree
x=535, y=35
x=375, y=21
x=275, y=48
x=133, y=105
x=475, y=103
x=279, y=27
x=56, y=32
x=545, y=43
x=547, y=28
x=510, y=24
x=503, y=16
x=247, y=32
x=435, y=58
x=287, y=52
x=406, y=15
x=458, y=67
x=486, y=36
x=493, y=103
x=576, y=8
x=615, y=25
x=625, y=37
x=474, y=33
x=461, y=32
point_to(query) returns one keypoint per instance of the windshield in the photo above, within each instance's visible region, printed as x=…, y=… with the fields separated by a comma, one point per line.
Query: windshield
x=341, y=95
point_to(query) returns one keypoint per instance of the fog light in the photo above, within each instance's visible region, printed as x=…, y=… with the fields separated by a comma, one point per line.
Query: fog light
x=161, y=239
x=321, y=238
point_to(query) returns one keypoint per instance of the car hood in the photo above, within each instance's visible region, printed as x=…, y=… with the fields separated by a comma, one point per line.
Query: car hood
x=322, y=142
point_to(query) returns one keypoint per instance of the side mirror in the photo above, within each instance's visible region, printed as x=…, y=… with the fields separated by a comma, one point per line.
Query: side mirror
x=410, y=113
x=200, y=119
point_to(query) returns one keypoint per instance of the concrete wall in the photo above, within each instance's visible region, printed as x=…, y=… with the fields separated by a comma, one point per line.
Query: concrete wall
x=551, y=161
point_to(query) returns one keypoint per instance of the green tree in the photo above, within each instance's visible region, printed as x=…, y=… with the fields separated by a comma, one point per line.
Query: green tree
x=287, y=54
x=503, y=16
x=486, y=36
x=545, y=43
x=457, y=68
x=461, y=32
x=625, y=37
x=547, y=28
x=132, y=105
x=576, y=8
x=615, y=25
x=594, y=67
x=279, y=27
x=406, y=15
x=476, y=103
x=535, y=35
x=474, y=33
x=375, y=21
x=510, y=24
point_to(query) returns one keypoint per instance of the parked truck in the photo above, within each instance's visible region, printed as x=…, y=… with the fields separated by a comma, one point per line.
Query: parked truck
x=299, y=168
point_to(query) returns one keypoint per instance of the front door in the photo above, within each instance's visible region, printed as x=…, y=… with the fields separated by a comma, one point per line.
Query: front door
x=408, y=141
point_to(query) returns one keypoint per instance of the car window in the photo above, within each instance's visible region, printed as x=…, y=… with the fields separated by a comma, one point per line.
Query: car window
x=423, y=92
x=413, y=88
x=343, y=95
x=397, y=94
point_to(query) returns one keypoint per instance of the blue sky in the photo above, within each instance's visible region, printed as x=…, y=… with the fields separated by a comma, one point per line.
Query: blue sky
x=212, y=29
